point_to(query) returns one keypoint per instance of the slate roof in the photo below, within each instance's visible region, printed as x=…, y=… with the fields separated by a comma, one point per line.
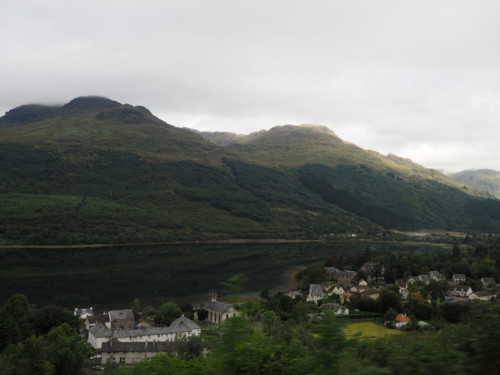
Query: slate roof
x=115, y=346
x=218, y=306
x=484, y=293
x=121, y=314
x=179, y=325
x=316, y=290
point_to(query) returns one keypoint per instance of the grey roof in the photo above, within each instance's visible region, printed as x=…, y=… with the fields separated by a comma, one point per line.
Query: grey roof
x=488, y=280
x=115, y=346
x=218, y=306
x=183, y=324
x=458, y=276
x=462, y=288
x=484, y=293
x=98, y=319
x=121, y=314
x=316, y=290
x=179, y=325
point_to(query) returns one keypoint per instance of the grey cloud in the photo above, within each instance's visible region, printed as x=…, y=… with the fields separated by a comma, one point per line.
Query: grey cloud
x=419, y=79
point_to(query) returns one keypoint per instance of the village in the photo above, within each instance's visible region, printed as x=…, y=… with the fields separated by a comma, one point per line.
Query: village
x=122, y=337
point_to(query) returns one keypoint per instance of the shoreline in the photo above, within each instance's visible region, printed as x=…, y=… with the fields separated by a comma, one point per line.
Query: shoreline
x=222, y=242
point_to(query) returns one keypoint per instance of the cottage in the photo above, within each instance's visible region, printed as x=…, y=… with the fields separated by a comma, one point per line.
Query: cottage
x=488, y=281
x=336, y=308
x=436, y=276
x=294, y=294
x=460, y=291
x=458, y=278
x=333, y=289
x=426, y=279
x=119, y=352
x=483, y=295
x=401, y=320
x=316, y=293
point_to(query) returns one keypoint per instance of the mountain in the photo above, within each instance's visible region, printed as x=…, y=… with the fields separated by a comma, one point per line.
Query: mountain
x=95, y=123
x=98, y=171
x=483, y=179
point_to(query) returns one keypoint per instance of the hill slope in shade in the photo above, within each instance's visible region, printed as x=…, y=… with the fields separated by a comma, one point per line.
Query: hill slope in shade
x=97, y=171
x=483, y=179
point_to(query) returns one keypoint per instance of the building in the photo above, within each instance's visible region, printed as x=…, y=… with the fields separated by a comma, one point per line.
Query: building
x=83, y=313
x=119, y=352
x=316, y=293
x=219, y=311
x=459, y=278
x=121, y=319
x=180, y=328
x=460, y=291
x=483, y=295
x=401, y=320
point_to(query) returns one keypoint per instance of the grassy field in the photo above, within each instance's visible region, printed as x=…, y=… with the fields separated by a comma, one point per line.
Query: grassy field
x=367, y=330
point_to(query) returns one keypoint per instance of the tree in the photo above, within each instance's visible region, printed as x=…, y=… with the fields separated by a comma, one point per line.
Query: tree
x=15, y=320
x=167, y=313
x=66, y=350
x=388, y=299
x=26, y=358
x=52, y=316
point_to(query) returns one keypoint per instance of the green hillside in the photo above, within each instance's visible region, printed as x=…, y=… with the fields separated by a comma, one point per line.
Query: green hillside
x=97, y=171
x=483, y=179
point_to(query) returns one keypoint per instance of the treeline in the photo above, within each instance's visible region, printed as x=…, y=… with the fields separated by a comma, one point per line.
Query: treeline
x=40, y=341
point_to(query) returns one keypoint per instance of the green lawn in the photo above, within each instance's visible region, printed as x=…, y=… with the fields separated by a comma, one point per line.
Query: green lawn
x=368, y=330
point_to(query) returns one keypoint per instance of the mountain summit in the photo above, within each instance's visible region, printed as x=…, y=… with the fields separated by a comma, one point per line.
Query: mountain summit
x=98, y=171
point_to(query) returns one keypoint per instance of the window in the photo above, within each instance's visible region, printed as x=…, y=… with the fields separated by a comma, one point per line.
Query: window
x=122, y=360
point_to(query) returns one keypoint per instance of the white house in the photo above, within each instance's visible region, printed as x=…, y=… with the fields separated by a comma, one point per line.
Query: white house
x=460, y=291
x=316, y=293
x=181, y=327
x=119, y=352
x=483, y=295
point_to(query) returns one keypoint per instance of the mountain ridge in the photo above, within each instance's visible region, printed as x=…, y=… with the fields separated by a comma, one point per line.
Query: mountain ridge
x=98, y=171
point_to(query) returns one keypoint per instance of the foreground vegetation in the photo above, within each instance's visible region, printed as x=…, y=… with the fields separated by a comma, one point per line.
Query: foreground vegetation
x=276, y=334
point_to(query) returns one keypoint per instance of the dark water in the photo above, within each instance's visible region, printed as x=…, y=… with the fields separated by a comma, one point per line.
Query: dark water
x=111, y=277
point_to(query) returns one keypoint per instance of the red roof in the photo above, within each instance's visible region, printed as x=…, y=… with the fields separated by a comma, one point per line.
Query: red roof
x=402, y=318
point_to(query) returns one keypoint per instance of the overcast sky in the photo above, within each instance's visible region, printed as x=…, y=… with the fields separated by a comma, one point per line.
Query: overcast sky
x=420, y=79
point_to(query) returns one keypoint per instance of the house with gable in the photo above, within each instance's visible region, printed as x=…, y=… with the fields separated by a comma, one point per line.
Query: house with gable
x=488, y=281
x=219, y=311
x=336, y=308
x=401, y=320
x=436, y=276
x=483, y=295
x=459, y=278
x=316, y=293
x=460, y=291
